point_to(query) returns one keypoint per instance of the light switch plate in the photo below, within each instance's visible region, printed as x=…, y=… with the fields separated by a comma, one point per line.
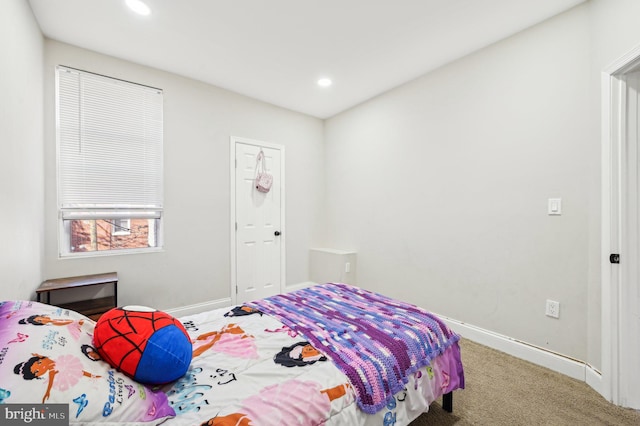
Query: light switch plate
x=554, y=206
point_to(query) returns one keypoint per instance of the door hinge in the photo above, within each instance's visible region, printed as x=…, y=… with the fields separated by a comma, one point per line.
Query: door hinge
x=614, y=258
x=236, y=289
x=236, y=226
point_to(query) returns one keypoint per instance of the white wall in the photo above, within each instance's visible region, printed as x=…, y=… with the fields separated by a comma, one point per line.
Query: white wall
x=21, y=162
x=441, y=186
x=442, y=183
x=198, y=122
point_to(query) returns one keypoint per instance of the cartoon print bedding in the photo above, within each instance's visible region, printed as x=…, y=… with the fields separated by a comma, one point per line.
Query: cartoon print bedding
x=376, y=341
x=47, y=356
x=253, y=370
x=248, y=368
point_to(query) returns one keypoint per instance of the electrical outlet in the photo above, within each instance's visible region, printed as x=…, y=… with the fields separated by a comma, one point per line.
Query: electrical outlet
x=553, y=309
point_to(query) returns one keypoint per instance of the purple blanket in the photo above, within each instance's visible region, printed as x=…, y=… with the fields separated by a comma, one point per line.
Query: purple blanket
x=376, y=341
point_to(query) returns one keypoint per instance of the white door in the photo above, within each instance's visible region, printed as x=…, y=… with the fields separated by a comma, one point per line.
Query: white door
x=629, y=308
x=258, y=224
x=621, y=233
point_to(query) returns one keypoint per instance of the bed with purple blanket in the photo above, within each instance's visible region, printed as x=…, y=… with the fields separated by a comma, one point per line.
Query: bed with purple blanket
x=329, y=354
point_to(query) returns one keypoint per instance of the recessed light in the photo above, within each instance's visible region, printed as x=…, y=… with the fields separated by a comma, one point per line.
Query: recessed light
x=138, y=7
x=324, y=82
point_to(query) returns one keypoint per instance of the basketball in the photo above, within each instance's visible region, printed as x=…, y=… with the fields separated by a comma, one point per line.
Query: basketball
x=150, y=346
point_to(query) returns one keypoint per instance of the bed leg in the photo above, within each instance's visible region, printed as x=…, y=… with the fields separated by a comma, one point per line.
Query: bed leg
x=447, y=402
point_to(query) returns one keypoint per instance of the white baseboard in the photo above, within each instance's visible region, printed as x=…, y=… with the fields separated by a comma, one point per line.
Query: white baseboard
x=594, y=379
x=221, y=303
x=199, y=307
x=574, y=368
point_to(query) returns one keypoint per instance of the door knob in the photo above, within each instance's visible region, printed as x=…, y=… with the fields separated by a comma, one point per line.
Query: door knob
x=276, y=233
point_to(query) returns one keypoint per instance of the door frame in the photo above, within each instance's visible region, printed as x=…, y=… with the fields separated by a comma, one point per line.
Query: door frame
x=617, y=312
x=233, y=140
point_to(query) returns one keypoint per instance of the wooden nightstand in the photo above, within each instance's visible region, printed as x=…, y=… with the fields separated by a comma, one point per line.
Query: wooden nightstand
x=93, y=308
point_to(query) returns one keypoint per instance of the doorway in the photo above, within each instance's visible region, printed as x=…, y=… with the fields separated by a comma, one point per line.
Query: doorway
x=621, y=232
x=257, y=221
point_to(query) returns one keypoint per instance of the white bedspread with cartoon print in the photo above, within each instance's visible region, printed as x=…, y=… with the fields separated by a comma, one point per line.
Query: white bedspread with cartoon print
x=250, y=369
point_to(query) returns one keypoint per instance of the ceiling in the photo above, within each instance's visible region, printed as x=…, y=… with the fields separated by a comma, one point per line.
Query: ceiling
x=276, y=50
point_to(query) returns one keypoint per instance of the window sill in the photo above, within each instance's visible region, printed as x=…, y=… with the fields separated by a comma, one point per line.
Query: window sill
x=103, y=253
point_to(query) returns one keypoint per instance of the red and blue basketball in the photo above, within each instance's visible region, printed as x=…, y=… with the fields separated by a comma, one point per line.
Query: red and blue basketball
x=150, y=346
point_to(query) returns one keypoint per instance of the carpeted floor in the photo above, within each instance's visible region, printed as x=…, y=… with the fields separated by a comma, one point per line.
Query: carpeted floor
x=503, y=390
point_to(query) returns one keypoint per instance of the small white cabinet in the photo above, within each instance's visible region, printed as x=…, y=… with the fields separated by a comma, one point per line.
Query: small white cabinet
x=332, y=265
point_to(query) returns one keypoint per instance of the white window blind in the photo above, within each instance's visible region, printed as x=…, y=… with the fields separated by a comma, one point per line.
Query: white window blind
x=110, y=135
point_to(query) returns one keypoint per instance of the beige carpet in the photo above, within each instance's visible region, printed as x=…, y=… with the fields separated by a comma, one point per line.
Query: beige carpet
x=503, y=390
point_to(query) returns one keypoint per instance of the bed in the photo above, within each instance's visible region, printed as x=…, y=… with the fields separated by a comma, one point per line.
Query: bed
x=330, y=354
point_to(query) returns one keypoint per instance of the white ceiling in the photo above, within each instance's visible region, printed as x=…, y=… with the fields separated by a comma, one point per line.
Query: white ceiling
x=276, y=50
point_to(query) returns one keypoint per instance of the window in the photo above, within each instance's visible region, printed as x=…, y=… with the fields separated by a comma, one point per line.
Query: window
x=121, y=227
x=110, y=189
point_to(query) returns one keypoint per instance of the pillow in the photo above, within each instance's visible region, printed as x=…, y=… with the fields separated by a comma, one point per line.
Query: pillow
x=147, y=345
x=47, y=355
